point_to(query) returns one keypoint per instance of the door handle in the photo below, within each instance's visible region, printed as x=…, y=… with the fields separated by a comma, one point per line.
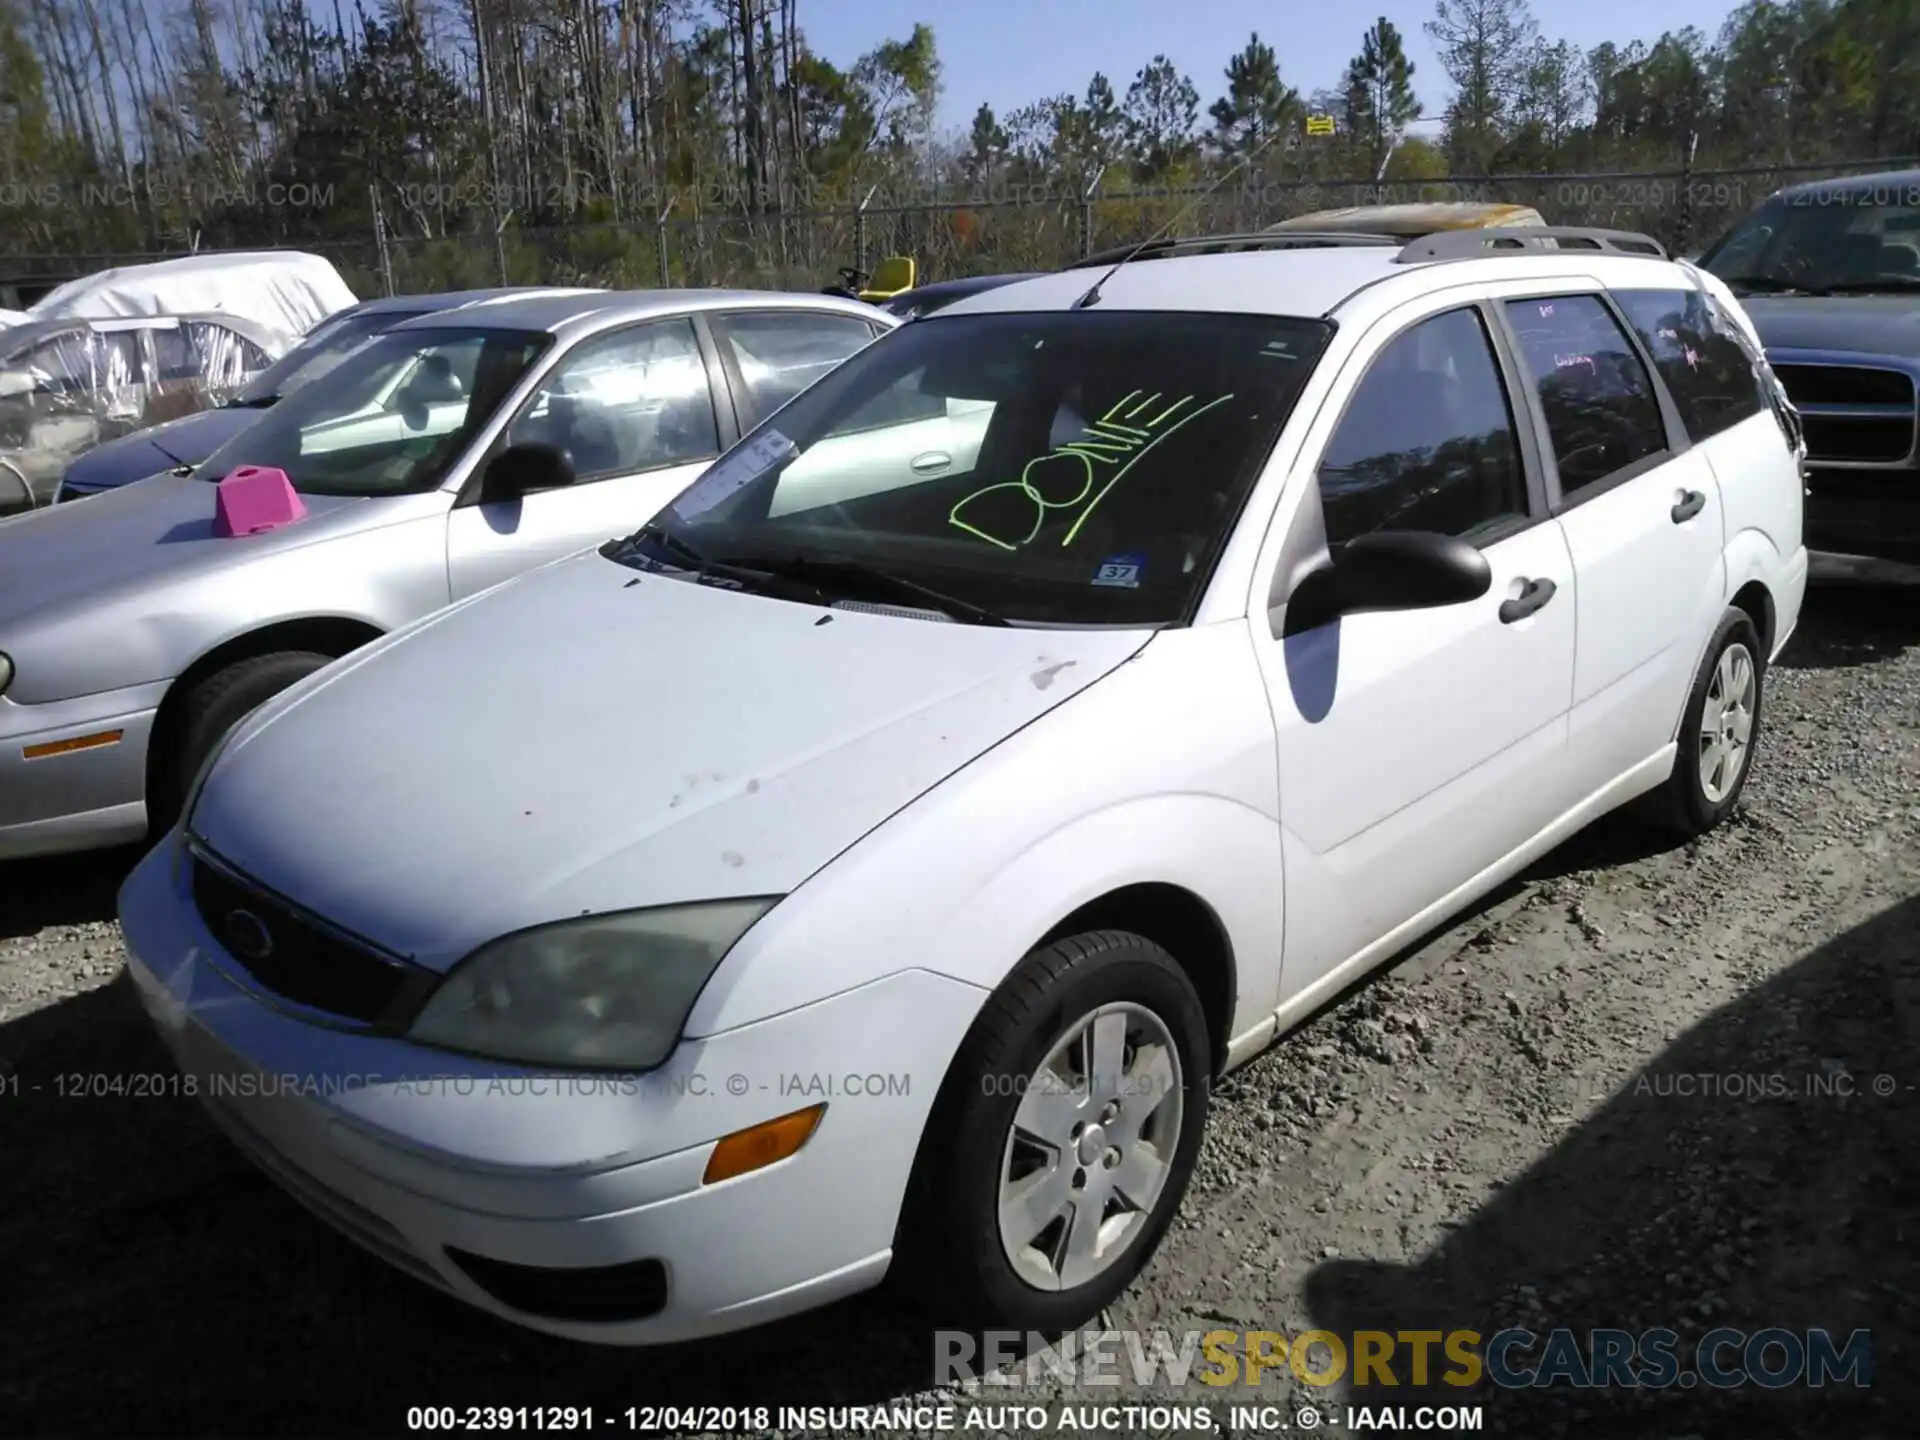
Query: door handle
x=1690, y=504
x=1536, y=594
x=928, y=463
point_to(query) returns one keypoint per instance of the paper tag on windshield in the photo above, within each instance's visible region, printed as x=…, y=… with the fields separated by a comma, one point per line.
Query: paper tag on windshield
x=733, y=472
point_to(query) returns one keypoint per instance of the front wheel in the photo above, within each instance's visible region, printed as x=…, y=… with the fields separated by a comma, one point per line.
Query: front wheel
x=1065, y=1136
x=211, y=709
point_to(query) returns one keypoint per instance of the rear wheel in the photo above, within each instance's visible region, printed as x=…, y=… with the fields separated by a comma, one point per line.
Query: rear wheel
x=1718, y=733
x=213, y=707
x=1064, y=1138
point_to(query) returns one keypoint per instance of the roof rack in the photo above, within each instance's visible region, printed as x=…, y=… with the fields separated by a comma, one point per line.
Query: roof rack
x=1227, y=244
x=1478, y=244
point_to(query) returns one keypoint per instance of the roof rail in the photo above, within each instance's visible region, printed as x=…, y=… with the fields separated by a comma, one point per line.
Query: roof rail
x=1478, y=244
x=1226, y=244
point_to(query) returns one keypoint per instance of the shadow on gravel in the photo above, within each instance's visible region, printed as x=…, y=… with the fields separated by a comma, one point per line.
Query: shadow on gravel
x=63, y=890
x=1612, y=840
x=1688, y=1203
x=1854, y=624
x=156, y=1284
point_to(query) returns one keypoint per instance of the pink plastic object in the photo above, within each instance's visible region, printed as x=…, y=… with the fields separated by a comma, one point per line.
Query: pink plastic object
x=253, y=500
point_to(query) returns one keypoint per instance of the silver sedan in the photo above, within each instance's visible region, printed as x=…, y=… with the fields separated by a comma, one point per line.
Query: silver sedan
x=447, y=456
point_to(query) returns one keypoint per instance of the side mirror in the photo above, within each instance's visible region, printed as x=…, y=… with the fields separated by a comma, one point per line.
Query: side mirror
x=1387, y=570
x=522, y=469
x=17, y=382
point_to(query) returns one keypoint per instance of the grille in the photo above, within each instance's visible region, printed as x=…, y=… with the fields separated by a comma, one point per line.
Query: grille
x=299, y=961
x=601, y=1295
x=1854, y=414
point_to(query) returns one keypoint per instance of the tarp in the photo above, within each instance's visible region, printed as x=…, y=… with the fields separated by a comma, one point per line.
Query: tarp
x=287, y=290
x=1414, y=221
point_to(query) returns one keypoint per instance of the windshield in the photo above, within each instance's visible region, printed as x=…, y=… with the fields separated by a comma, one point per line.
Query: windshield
x=1079, y=468
x=393, y=417
x=1822, y=241
x=315, y=356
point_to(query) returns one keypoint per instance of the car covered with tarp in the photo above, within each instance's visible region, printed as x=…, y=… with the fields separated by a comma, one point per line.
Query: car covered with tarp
x=67, y=385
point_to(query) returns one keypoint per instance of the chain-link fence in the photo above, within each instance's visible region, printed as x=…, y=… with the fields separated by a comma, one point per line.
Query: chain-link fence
x=1036, y=227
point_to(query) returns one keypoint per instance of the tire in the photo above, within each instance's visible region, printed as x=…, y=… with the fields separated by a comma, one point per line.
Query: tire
x=1687, y=804
x=953, y=1246
x=211, y=709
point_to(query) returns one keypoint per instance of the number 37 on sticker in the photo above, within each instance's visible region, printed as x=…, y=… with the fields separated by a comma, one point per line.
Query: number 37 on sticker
x=1122, y=571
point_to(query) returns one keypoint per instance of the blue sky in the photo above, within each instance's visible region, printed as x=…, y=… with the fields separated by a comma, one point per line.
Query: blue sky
x=1011, y=52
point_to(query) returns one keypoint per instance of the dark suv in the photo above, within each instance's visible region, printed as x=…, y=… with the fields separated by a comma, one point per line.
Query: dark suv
x=1830, y=273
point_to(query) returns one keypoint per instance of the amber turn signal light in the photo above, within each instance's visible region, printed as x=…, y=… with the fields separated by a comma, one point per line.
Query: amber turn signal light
x=759, y=1146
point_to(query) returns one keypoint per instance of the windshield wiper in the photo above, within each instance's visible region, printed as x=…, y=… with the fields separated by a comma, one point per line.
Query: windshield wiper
x=1891, y=285
x=238, y=403
x=180, y=467
x=696, y=562
x=829, y=568
x=1771, y=285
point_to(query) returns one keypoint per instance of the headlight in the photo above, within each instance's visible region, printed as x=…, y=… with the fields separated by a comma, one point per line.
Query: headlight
x=6, y=673
x=603, y=991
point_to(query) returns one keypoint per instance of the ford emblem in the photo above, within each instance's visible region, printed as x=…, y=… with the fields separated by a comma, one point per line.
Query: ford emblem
x=248, y=935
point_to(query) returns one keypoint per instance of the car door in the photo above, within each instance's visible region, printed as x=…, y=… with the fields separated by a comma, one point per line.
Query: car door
x=1642, y=514
x=1416, y=748
x=635, y=410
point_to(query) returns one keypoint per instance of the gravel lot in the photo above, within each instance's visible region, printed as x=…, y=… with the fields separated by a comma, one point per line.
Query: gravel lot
x=1492, y=1134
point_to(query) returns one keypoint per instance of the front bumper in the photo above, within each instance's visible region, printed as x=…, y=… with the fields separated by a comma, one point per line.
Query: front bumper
x=75, y=798
x=1871, y=515
x=417, y=1154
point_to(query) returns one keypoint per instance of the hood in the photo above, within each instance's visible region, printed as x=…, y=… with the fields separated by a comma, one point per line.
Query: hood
x=189, y=440
x=120, y=545
x=1863, y=324
x=575, y=742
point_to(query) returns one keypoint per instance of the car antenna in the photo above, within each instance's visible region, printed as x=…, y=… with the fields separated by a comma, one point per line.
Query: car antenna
x=1092, y=295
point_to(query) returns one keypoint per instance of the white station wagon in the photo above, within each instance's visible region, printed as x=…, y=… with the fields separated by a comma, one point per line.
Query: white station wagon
x=873, y=860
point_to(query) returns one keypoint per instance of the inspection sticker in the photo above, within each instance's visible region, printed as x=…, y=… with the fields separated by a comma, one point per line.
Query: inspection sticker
x=734, y=471
x=1122, y=571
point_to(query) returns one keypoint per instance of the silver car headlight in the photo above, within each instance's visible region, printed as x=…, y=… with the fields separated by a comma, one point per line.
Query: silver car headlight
x=600, y=992
x=6, y=673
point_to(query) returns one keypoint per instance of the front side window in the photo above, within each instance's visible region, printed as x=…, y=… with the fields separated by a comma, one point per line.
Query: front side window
x=1861, y=239
x=1601, y=412
x=394, y=416
x=1427, y=441
x=1080, y=468
x=1713, y=383
x=782, y=354
x=634, y=400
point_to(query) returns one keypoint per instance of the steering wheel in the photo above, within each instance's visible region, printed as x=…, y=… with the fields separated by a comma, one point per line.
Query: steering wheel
x=853, y=279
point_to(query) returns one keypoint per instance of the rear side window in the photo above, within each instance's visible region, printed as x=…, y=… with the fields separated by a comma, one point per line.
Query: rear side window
x=1712, y=381
x=1596, y=394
